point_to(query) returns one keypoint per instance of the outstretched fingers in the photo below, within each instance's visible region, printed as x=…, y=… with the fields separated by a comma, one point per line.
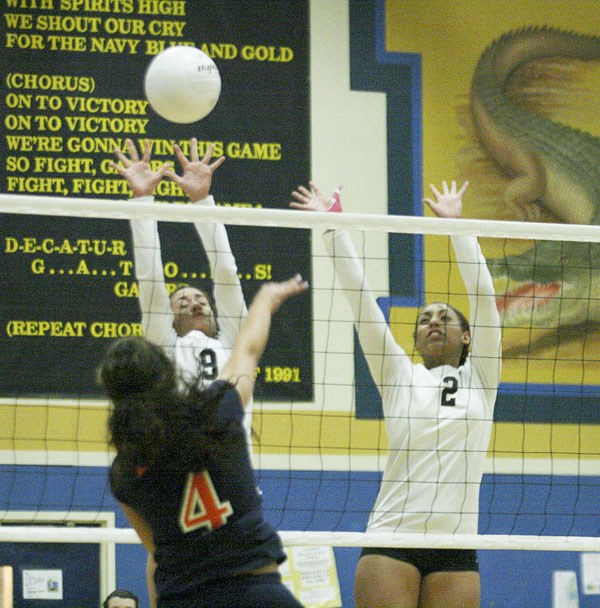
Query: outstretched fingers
x=181, y=157
x=132, y=150
x=282, y=291
x=448, y=202
x=125, y=160
x=310, y=200
x=146, y=150
x=463, y=188
x=208, y=157
x=194, y=150
x=435, y=191
x=217, y=163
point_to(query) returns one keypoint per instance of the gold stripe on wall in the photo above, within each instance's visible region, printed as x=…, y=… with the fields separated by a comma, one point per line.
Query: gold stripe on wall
x=40, y=427
x=73, y=427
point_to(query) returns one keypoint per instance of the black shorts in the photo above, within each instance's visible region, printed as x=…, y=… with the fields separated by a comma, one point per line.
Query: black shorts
x=427, y=561
x=244, y=591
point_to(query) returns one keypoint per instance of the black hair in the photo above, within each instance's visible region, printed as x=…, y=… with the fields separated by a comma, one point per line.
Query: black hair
x=155, y=417
x=122, y=593
x=464, y=326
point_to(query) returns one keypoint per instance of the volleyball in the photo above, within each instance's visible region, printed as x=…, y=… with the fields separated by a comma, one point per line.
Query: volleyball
x=182, y=84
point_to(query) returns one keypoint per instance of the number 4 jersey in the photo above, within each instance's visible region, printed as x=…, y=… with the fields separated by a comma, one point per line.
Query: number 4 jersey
x=206, y=524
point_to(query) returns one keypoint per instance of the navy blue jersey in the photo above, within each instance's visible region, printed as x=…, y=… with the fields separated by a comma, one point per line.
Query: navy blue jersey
x=207, y=524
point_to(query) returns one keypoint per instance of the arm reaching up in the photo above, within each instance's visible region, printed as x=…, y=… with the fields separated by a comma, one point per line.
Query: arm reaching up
x=154, y=299
x=250, y=344
x=140, y=176
x=196, y=178
x=195, y=181
x=136, y=168
x=315, y=200
x=447, y=203
x=376, y=339
x=486, y=347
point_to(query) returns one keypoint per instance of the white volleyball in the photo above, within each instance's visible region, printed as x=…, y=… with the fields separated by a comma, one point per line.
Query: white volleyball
x=182, y=84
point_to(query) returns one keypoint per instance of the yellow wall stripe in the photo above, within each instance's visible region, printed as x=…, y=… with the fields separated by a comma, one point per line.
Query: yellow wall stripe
x=316, y=432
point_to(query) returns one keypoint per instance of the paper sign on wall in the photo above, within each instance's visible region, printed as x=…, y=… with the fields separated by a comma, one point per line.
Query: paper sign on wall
x=42, y=585
x=310, y=573
x=590, y=573
x=564, y=589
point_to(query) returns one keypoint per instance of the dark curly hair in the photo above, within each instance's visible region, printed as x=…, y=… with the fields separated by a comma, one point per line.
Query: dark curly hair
x=156, y=418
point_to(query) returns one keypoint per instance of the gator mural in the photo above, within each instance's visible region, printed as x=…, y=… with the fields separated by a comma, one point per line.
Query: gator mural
x=548, y=171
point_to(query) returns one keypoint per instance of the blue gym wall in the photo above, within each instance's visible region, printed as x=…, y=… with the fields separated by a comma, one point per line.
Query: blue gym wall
x=323, y=500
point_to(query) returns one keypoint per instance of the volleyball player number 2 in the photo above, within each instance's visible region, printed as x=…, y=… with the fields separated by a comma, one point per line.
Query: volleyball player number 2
x=449, y=391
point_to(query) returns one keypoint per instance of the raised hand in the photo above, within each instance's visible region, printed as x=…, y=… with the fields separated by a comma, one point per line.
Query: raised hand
x=196, y=177
x=251, y=342
x=315, y=200
x=279, y=292
x=140, y=176
x=448, y=203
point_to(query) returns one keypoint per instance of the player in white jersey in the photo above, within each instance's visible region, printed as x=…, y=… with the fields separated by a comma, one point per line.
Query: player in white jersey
x=438, y=416
x=197, y=336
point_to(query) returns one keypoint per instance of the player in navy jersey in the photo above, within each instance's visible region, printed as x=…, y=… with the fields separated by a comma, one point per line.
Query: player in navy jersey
x=182, y=472
x=438, y=417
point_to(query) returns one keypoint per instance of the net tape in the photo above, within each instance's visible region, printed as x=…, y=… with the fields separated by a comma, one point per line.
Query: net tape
x=110, y=209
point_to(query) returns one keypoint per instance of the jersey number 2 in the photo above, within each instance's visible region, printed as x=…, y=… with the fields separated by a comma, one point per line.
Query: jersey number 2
x=450, y=388
x=201, y=507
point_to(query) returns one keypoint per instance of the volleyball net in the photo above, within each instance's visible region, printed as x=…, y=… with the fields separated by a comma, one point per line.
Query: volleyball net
x=320, y=437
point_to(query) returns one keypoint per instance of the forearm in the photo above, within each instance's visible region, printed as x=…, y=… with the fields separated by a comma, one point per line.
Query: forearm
x=216, y=245
x=249, y=347
x=153, y=296
x=374, y=334
x=252, y=339
x=228, y=292
x=484, y=317
x=254, y=333
x=473, y=266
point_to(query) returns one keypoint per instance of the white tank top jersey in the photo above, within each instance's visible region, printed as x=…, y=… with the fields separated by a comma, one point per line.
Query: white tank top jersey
x=438, y=421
